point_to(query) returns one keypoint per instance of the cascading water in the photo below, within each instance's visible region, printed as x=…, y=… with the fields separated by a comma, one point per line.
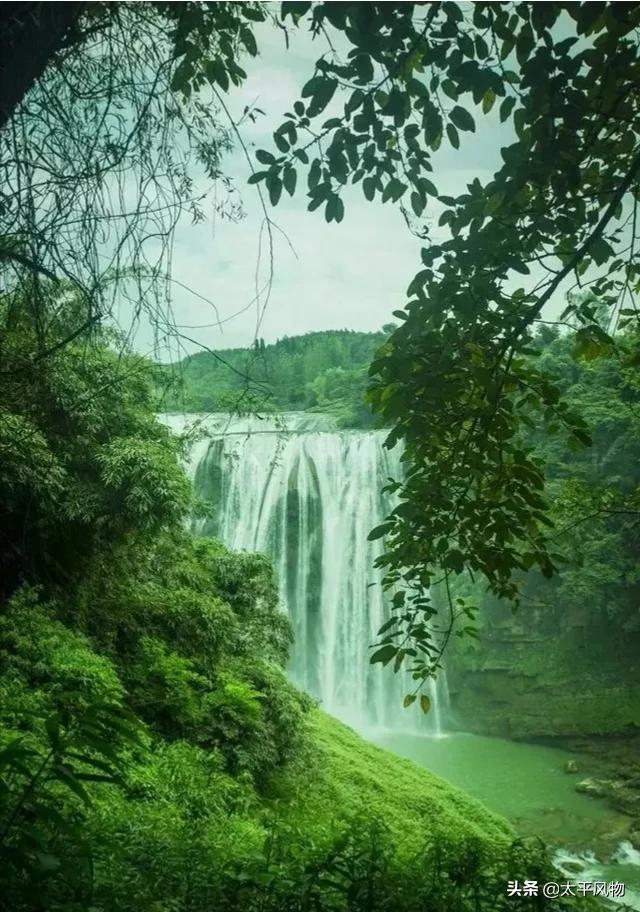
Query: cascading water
x=308, y=495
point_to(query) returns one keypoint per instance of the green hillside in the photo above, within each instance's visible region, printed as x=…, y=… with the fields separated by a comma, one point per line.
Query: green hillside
x=325, y=371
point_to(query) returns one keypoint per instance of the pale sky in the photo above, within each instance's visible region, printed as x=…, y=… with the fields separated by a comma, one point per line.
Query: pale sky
x=326, y=276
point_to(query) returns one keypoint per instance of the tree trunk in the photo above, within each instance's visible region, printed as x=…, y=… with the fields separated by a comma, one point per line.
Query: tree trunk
x=30, y=36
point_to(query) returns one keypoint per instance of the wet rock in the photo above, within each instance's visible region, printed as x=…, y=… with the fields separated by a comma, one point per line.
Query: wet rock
x=634, y=834
x=571, y=766
x=596, y=788
x=624, y=799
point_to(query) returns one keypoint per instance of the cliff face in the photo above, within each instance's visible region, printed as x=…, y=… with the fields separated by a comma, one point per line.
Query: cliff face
x=537, y=674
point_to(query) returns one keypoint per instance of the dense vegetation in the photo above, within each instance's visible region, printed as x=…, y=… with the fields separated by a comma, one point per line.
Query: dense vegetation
x=153, y=755
x=325, y=371
x=567, y=661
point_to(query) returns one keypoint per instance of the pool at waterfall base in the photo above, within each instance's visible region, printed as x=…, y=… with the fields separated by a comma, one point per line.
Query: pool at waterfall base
x=528, y=785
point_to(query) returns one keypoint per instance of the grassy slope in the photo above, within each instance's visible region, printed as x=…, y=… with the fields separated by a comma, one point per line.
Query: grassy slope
x=187, y=817
x=350, y=776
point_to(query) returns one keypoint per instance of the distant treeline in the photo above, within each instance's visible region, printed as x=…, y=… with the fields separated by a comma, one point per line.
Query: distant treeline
x=324, y=371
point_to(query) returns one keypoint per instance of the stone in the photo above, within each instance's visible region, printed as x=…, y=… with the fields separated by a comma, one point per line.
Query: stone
x=596, y=788
x=634, y=834
x=625, y=799
x=571, y=766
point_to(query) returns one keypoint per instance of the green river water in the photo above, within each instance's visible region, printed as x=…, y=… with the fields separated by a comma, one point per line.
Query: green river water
x=528, y=785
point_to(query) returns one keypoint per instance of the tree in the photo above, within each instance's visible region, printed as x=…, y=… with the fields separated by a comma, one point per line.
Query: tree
x=83, y=461
x=98, y=155
x=32, y=34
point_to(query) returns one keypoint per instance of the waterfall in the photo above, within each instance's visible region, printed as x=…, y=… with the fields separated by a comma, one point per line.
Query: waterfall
x=308, y=495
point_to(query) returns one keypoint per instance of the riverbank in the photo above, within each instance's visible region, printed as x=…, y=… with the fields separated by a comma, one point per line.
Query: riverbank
x=607, y=769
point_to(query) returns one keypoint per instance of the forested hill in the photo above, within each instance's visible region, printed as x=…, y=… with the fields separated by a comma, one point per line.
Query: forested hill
x=325, y=370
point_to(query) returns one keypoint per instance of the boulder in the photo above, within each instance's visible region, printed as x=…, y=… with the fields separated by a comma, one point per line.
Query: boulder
x=596, y=788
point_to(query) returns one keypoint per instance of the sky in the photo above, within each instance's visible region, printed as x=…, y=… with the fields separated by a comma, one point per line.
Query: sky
x=326, y=276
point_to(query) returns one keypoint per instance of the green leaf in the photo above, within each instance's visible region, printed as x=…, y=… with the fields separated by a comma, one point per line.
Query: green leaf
x=274, y=186
x=425, y=703
x=462, y=119
x=247, y=38
x=449, y=88
x=334, y=211
x=591, y=342
x=289, y=179
x=418, y=203
x=455, y=560
x=427, y=186
x=583, y=436
x=66, y=775
x=493, y=203
x=488, y=100
x=264, y=157
x=369, y=187
x=216, y=72
x=387, y=625
x=323, y=92
x=516, y=264
x=506, y=108
x=409, y=700
x=52, y=726
x=311, y=86
x=384, y=654
x=281, y=142
x=380, y=531
x=394, y=190
x=600, y=251
x=47, y=862
x=452, y=133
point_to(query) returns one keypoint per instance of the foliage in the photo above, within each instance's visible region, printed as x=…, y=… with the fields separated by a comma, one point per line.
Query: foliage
x=567, y=661
x=233, y=806
x=594, y=493
x=320, y=370
x=152, y=753
x=83, y=460
x=63, y=726
x=455, y=379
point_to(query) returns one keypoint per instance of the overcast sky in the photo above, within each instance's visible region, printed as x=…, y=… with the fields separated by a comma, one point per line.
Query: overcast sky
x=327, y=276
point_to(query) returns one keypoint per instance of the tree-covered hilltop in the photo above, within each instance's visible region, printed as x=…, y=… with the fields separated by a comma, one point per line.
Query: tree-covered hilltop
x=325, y=371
